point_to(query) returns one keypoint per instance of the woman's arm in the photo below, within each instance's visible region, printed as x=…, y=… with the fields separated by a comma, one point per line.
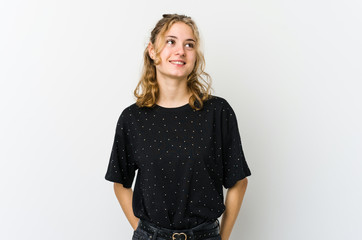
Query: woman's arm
x=234, y=199
x=124, y=196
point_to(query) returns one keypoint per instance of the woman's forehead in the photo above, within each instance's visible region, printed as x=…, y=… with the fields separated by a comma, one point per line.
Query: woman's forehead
x=181, y=31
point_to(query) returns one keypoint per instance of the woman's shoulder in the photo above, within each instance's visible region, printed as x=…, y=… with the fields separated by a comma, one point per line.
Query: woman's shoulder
x=216, y=98
x=218, y=101
x=127, y=113
x=131, y=107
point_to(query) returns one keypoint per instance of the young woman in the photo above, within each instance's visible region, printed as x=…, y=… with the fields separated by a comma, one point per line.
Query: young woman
x=184, y=142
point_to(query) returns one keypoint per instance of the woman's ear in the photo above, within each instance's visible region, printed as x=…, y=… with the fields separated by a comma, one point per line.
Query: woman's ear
x=151, y=50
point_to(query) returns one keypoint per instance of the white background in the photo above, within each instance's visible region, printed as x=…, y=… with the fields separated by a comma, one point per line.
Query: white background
x=291, y=70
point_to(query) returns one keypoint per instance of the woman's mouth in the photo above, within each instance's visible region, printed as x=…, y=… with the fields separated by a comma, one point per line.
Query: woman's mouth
x=179, y=63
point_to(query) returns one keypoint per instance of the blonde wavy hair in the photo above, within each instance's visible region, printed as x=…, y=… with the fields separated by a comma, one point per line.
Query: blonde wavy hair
x=198, y=81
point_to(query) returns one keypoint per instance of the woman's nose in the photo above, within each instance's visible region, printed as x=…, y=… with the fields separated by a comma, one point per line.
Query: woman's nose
x=180, y=50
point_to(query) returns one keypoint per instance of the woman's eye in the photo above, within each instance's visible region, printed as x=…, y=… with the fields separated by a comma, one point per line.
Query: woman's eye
x=170, y=41
x=191, y=45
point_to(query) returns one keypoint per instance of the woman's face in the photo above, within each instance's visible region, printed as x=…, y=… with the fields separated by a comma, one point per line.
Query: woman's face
x=179, y=54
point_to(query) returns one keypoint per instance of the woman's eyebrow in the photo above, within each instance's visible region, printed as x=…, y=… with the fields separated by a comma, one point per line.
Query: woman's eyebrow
x=190, y=39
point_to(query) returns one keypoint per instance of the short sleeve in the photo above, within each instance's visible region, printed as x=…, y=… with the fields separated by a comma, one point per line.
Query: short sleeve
x=235, y=166
x=121, y=167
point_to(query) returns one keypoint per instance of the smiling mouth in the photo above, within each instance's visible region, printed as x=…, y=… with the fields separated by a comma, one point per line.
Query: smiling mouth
x=178, y=62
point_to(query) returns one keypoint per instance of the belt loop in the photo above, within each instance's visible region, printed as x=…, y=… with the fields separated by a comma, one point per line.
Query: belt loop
x=192, y=234
x=155, y=235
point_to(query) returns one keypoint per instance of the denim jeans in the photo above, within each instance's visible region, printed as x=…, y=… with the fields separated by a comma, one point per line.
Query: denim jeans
x=140, y=234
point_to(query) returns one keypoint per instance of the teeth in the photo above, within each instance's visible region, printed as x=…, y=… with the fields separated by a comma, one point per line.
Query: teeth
x=180, y=63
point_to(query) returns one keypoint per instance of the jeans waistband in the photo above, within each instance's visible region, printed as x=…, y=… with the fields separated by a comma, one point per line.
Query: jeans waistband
x=210, y=227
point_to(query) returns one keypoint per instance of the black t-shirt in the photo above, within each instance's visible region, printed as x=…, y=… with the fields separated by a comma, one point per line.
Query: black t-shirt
x=184, y=157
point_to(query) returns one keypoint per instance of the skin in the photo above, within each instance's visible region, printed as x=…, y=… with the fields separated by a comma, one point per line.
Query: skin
x=234, y=199
x=172, y=80
x=124, y=196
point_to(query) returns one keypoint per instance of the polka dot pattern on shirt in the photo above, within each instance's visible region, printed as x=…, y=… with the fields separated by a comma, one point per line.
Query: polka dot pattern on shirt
x=183, y=156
